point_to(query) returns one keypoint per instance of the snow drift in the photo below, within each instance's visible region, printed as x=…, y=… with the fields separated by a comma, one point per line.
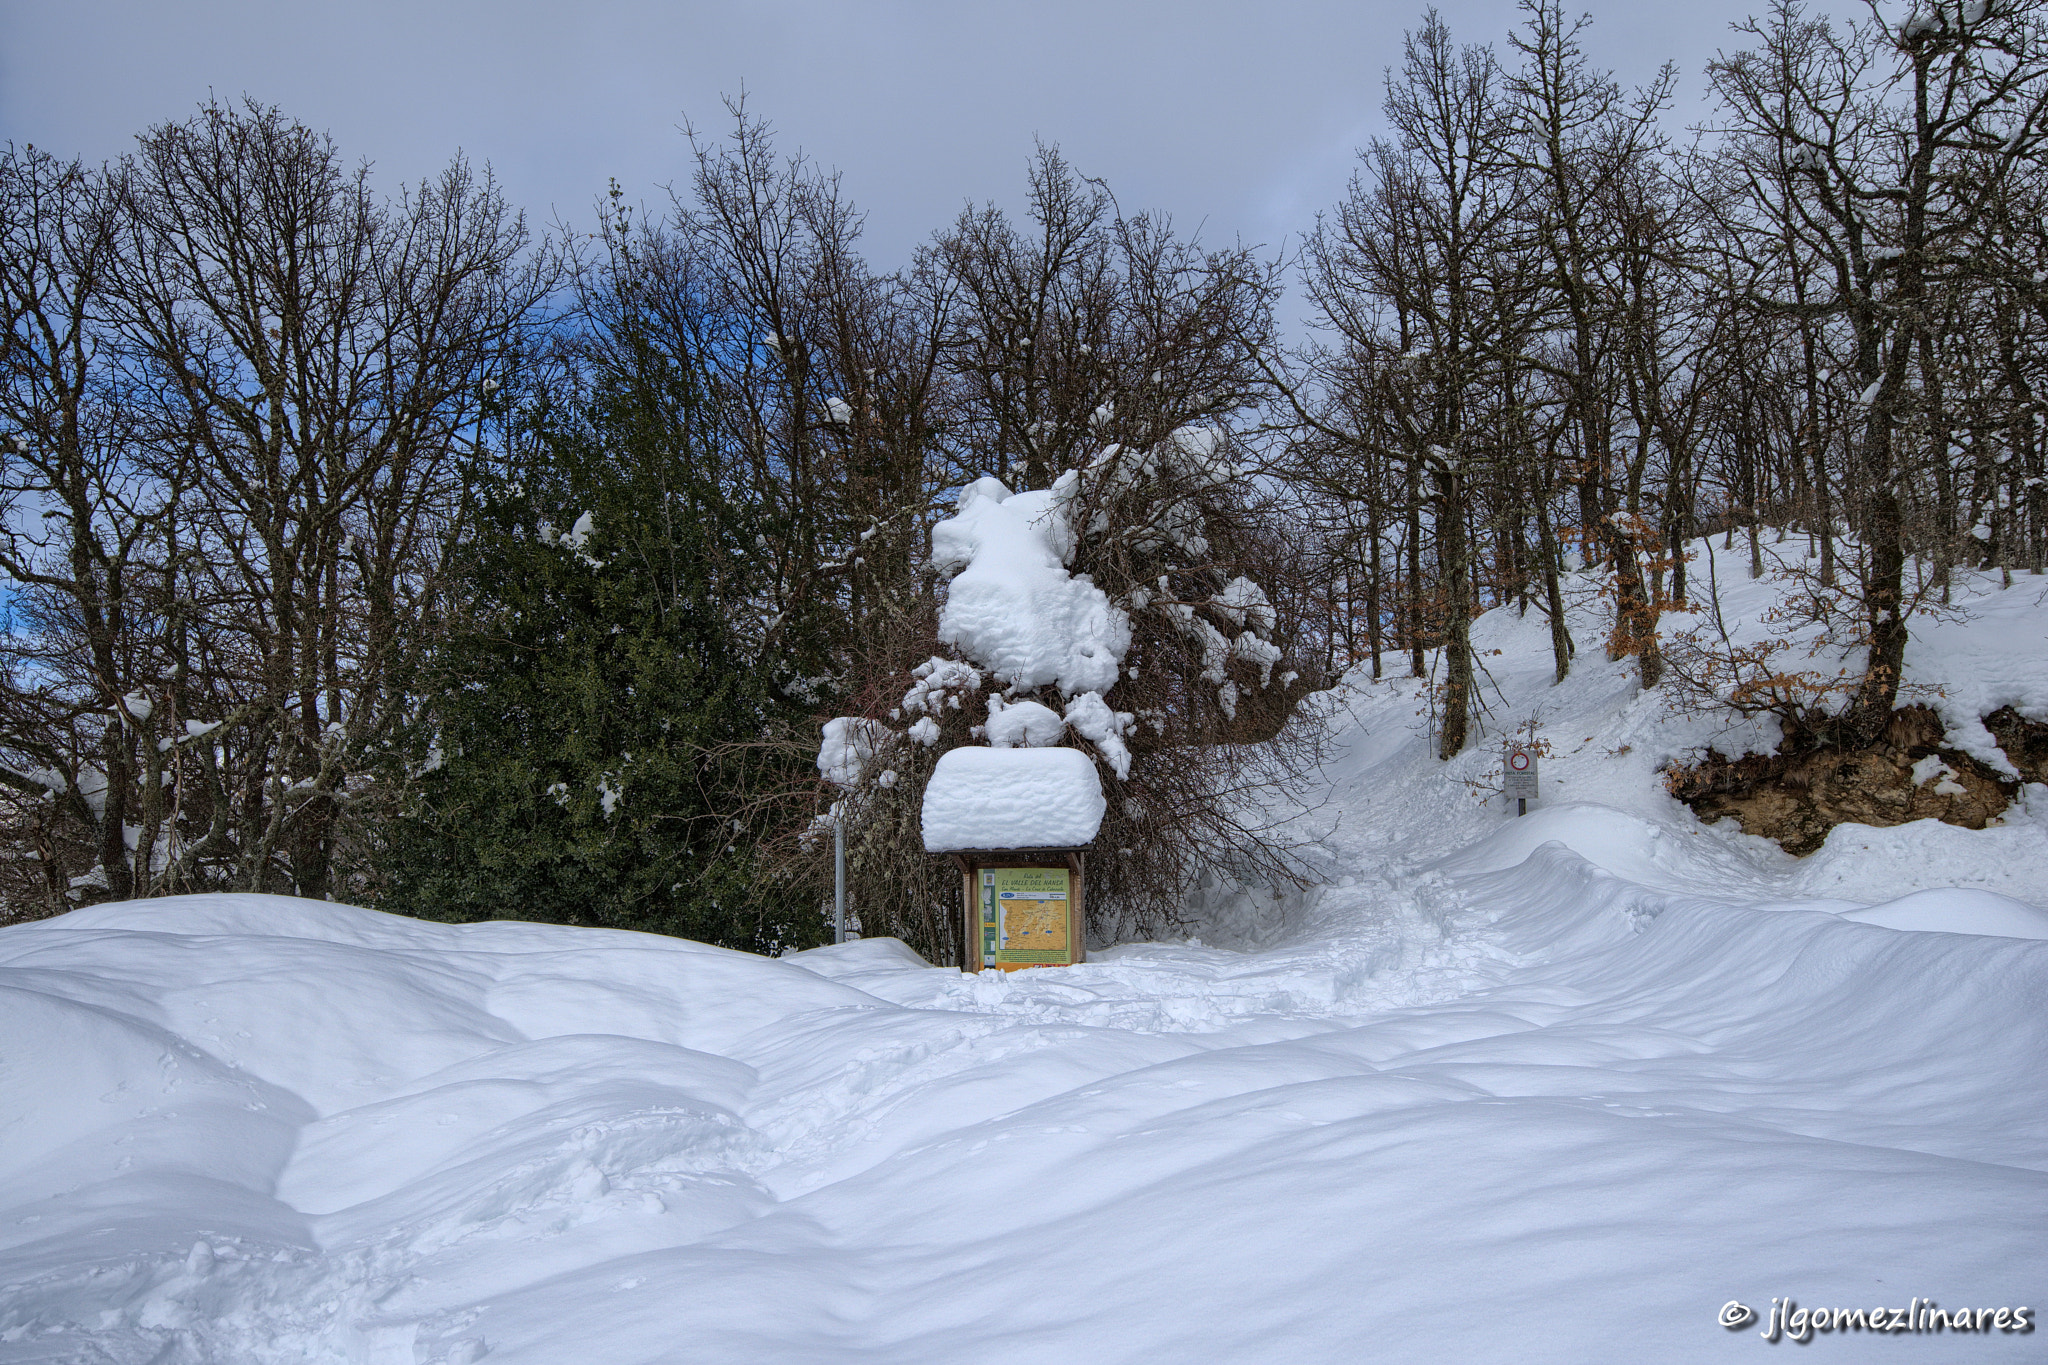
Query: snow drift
x=1549, y=1089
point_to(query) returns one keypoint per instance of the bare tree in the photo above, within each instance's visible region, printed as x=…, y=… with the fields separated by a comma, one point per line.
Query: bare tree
x=1421, y=301
x=1086, y=328
x=1583, y=144
x=235, y=484
x=1876, y=152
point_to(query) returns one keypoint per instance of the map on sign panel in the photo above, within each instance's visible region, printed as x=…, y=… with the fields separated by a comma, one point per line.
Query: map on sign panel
x=1034, y=923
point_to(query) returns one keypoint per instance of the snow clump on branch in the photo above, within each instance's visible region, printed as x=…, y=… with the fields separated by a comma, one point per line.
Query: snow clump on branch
x=1094, y=720
x=939, y=684
x=850, y=743
x=1026, y=724
x=1013, y=606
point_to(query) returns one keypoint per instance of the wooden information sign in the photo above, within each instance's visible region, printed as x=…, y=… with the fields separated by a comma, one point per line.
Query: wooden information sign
x=1024, y=908
x=1018, y=823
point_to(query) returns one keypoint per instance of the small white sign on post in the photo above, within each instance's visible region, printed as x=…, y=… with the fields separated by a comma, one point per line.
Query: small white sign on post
x=1518, y=777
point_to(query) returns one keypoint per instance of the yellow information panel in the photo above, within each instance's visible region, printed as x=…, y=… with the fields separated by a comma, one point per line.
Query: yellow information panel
x=1024, y=920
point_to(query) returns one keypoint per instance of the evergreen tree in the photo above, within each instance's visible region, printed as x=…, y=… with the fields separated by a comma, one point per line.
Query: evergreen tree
x=589, y=729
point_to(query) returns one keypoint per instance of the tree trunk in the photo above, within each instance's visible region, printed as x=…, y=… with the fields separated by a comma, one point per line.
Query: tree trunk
x=1451, y=550
x=1416, y=666
x=1635, y=619
x=1561, y=646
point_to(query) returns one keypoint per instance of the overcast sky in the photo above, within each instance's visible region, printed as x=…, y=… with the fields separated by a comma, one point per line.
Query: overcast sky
x=1241, y=118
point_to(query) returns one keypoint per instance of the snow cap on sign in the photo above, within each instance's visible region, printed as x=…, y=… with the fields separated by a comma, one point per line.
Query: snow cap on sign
x=1012, y=798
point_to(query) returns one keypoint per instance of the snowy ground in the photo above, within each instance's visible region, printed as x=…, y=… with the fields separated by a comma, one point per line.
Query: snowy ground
x=1545, y=1089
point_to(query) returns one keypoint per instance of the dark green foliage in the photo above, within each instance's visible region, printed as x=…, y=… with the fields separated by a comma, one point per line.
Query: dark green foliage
x=617, y=668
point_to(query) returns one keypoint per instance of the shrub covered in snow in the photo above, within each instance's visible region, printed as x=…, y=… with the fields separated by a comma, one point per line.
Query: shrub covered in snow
x=1110, y=616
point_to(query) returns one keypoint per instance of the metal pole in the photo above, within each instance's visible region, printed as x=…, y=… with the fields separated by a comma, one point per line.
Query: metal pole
x=839, y=879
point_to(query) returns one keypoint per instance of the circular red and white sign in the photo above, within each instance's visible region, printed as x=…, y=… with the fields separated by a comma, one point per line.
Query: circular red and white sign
x=1519, y=761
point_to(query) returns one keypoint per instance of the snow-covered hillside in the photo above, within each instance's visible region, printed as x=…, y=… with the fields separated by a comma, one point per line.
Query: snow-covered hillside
x=1547, y=1089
